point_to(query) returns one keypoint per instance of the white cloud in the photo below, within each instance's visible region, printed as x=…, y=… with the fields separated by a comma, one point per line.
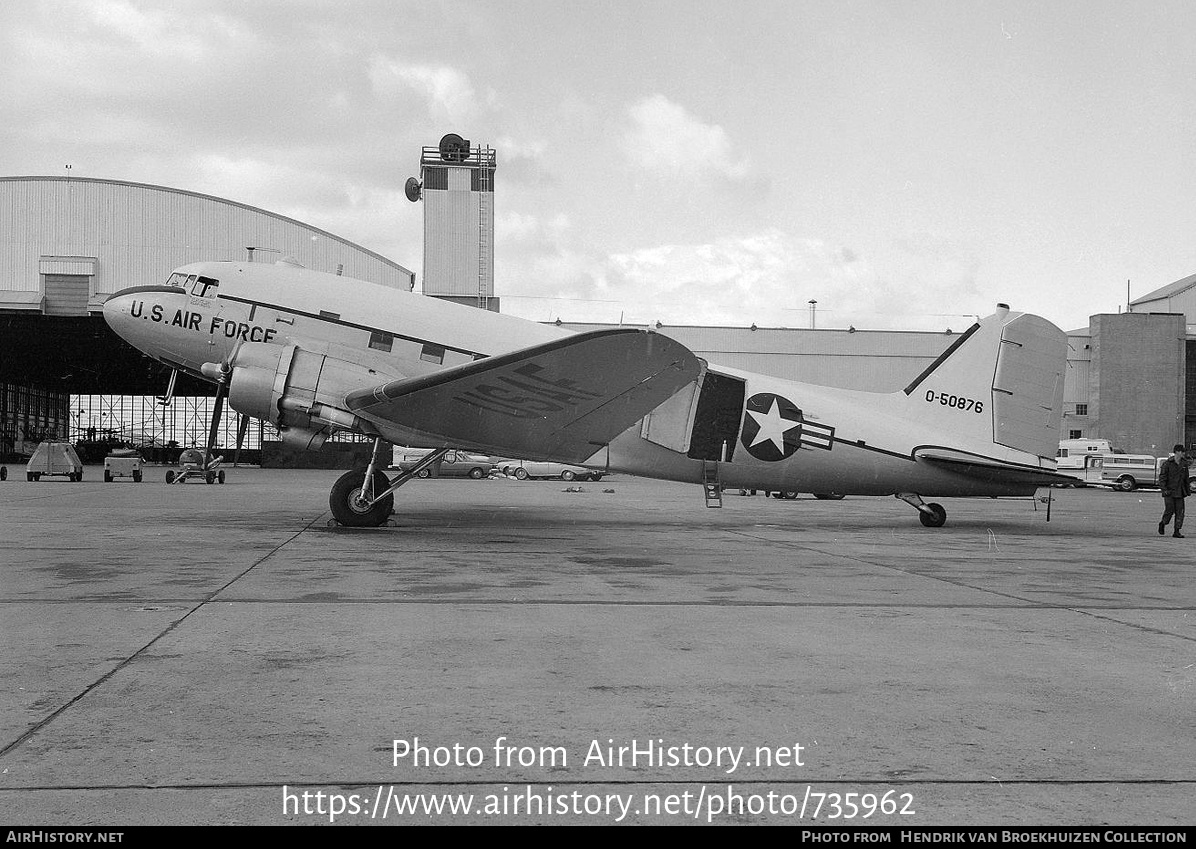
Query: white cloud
x=665, y=137
x=765, y=278
x=511, y=227
x=447, y=91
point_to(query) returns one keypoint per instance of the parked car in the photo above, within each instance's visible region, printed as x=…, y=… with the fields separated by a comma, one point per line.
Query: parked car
x=524, y=469
x=54, y=458
x=454, y=464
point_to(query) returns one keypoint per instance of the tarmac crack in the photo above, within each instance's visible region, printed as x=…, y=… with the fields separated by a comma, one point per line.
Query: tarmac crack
x=1030, y=603
x=31, y=732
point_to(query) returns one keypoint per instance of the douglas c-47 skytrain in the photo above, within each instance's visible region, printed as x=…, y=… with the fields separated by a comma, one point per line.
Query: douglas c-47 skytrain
x=313, y=353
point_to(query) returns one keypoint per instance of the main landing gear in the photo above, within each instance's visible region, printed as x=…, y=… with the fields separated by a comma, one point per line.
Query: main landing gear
x=366, y=499
x=932, y=515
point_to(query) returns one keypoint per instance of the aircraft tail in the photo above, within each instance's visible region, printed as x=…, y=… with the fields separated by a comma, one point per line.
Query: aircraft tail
x=999, y=386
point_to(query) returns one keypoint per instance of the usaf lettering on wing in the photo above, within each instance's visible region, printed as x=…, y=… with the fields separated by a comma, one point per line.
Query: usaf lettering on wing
x=527, y=395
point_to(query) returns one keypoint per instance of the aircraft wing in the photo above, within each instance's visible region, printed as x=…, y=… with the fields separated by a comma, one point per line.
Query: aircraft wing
x=990, y=469
x=560, y=400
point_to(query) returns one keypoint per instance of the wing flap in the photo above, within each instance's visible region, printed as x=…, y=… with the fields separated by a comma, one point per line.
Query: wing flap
x=561, y=400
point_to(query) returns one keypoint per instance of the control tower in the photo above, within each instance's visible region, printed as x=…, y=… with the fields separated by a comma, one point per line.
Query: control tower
x=456, y=183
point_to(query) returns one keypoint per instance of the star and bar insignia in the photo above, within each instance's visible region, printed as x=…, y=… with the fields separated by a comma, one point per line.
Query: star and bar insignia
x=774, y=429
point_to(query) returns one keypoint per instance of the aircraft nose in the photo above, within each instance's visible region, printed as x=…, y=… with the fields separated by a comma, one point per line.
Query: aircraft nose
x=116, y=311
x=130, y=314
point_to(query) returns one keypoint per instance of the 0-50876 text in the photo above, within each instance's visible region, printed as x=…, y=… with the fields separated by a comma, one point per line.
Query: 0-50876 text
x=957, y=402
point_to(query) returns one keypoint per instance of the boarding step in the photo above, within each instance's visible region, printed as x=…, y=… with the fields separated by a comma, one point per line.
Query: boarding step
x=711, y=484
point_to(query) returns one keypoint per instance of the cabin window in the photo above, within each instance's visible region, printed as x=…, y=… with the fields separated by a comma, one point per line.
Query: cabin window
x=205, y=287
x=380, y=341
x=432, y=353
x=1081, y=409
x=332, y=316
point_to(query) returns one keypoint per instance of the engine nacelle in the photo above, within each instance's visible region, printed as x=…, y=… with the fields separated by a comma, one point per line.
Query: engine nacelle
x=298, y=391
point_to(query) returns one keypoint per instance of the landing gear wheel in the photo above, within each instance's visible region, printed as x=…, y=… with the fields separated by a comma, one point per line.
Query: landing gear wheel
x=107, y=476
x=170, y=476
x=209, y=478
x=477, y=474
x=3, y=473
x=789, y=495
x=136, y=477
x=349, y=509
x=937, y=520
x=567, y=475
x=220, y=477
x=521, y=474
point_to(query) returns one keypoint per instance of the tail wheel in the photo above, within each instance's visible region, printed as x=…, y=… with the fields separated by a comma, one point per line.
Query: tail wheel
x=348, y=506
x=220, y=476
x=937, y=520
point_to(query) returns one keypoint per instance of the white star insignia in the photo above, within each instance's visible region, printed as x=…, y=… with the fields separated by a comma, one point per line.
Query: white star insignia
x=772, y=427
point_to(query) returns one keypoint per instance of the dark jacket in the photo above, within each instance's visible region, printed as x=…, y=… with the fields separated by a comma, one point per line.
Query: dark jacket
x=1173, y=478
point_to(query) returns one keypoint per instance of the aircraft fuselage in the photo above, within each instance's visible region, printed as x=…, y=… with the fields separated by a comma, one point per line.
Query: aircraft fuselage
x=764, y=432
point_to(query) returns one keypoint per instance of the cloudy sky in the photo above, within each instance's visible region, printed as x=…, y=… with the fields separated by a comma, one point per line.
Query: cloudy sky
x=906, y=163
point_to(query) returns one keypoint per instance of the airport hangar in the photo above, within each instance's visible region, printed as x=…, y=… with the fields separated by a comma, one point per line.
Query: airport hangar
x=68, y=243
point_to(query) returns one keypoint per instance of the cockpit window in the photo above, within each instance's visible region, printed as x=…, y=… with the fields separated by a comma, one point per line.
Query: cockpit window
x=204, y=287
x=177, y=279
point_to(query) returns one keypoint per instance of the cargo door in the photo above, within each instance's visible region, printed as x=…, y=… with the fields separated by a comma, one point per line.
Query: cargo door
x=717, y=417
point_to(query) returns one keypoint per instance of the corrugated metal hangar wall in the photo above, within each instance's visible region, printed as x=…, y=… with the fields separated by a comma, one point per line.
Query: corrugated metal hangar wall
x=68, y=243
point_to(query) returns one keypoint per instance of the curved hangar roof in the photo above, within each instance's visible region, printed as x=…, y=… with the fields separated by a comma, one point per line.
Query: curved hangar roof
x=67, y=243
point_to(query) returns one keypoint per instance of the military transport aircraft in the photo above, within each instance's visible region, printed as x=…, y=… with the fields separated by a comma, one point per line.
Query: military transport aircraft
x=314, y=353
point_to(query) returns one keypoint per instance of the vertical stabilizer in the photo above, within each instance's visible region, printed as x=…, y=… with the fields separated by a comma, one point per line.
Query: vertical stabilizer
x=999, y=384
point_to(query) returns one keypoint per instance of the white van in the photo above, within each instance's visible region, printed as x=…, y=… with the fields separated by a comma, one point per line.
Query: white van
x=1072, y=452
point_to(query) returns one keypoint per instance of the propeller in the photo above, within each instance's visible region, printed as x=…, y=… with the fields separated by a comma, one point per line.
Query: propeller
x=222, y=373
x=242, y=428
x=217, y=409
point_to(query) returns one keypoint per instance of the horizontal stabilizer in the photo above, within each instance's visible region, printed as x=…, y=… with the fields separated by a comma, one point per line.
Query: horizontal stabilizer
x=561, y=400
x=987, y=468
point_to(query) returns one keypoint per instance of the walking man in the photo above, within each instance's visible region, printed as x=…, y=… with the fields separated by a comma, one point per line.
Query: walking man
x=1173, y=483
